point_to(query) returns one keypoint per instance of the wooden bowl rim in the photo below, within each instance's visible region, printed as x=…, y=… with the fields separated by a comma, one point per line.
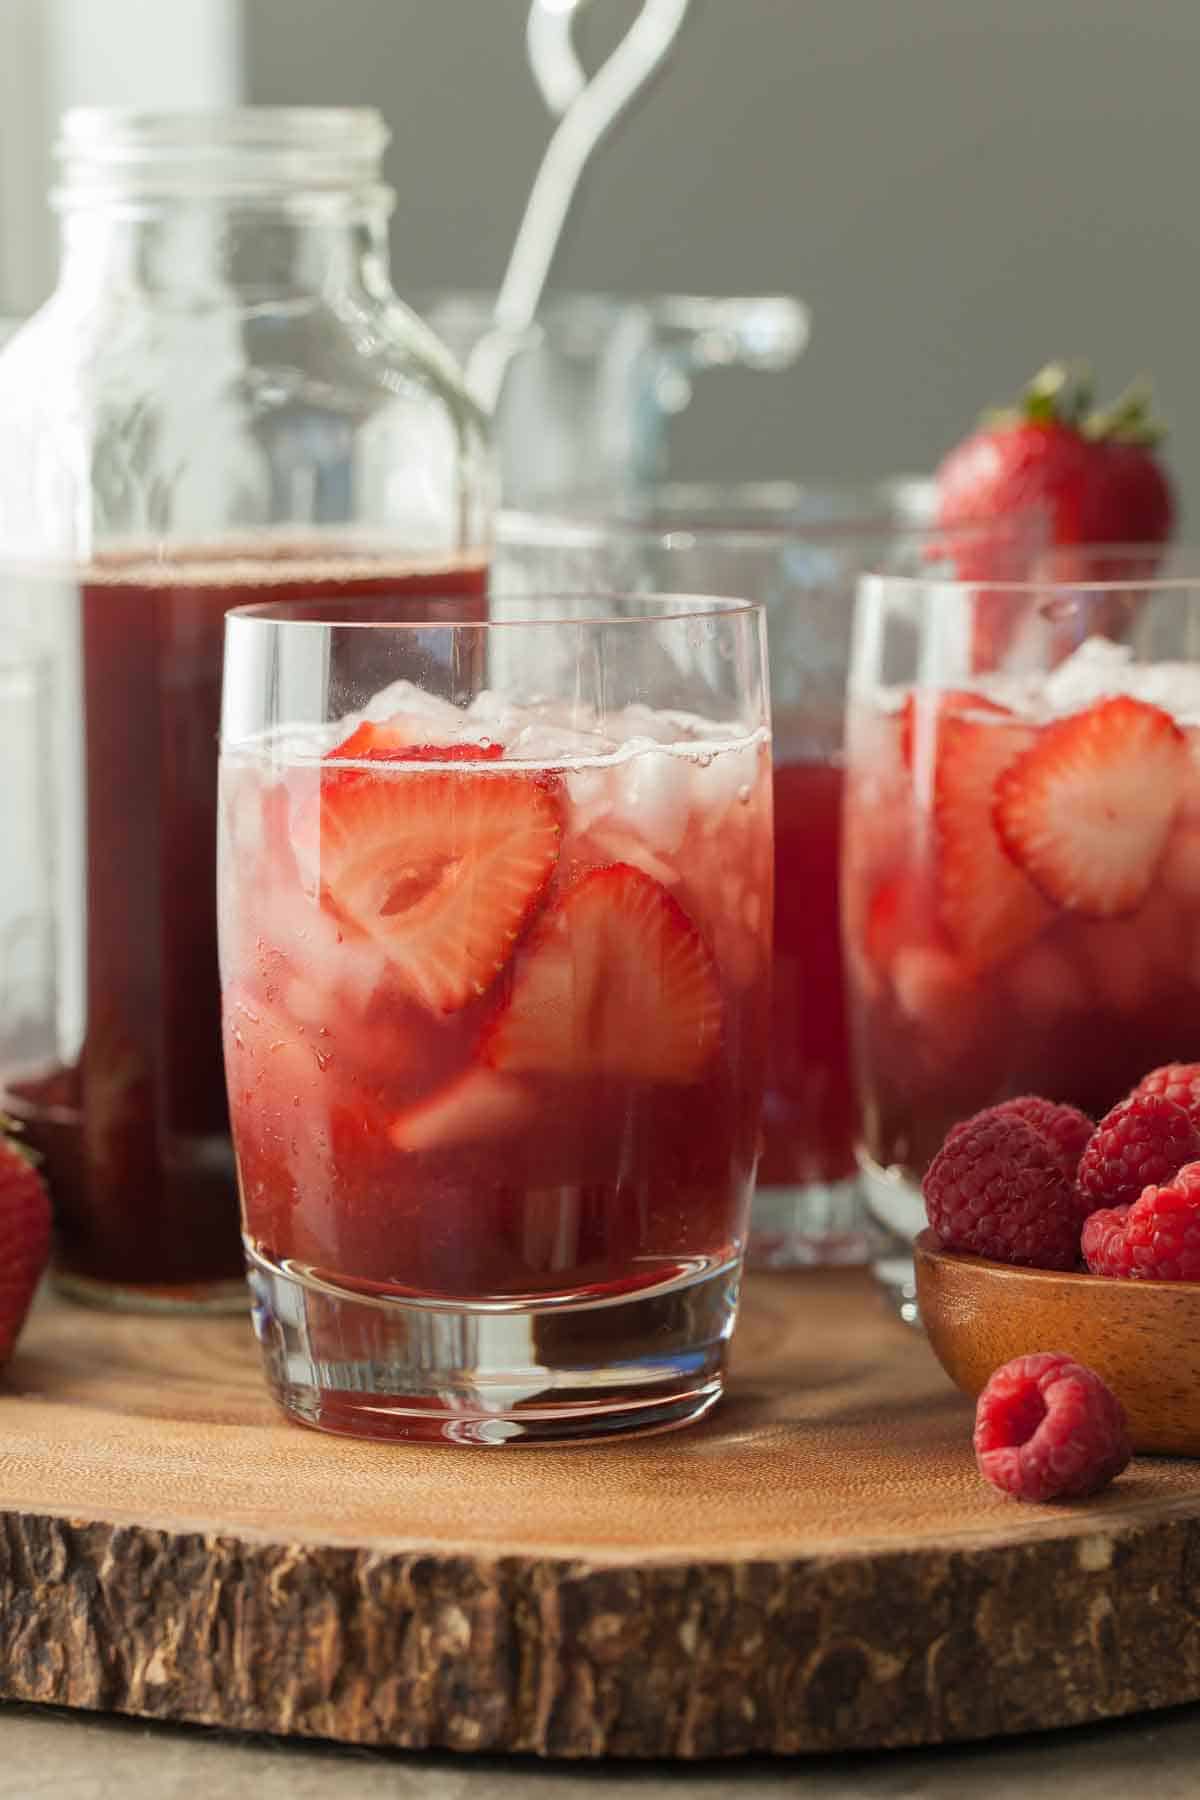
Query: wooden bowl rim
x=927, y=1247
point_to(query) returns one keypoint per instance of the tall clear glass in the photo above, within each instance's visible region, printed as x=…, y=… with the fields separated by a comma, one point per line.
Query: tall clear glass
x=798, y=552
x=1021, y=878
x=495, y=913
x=222, y=401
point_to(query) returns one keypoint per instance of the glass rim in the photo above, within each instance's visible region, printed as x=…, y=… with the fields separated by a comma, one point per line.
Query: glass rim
x=657, y=609
x=1029, y=588
x=584, y=530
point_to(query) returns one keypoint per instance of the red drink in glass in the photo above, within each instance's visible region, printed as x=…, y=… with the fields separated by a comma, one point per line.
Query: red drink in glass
x=809, y=1117
x=135, y=1131
x=495, y=953
x=579, y=1126
x=971, y=981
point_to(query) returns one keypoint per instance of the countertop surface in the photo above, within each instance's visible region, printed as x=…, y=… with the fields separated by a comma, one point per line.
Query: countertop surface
x=47, y=1753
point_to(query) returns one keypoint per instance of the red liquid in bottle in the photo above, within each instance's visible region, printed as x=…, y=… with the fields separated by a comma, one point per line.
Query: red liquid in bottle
x=136, y=1134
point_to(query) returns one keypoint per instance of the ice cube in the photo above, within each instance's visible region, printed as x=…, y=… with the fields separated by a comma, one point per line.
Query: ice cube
x=722, y=778
x=541, y=741
x=652, y=794
x=590, y=792
x=638, y=721
x=413, y=702
x=1096, y=669
x=1175, y=686
x=495, y=716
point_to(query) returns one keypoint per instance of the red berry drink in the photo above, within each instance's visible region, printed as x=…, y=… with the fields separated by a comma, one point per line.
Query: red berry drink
x=809, y=1113
x=135, y=1132
x=1022, y=899
x=495, y=1008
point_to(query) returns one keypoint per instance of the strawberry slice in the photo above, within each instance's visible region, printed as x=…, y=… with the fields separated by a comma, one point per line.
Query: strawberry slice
x=1087, y=810
x=925, y=710
x=478, y=1104
x=615, y=981
x=441, y=871
x=394, y=741
x=986, y=904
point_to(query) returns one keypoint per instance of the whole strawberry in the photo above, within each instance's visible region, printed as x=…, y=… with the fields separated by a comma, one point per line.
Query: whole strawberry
x=1052, y=465
x=24, y=1237
x=1094, y=472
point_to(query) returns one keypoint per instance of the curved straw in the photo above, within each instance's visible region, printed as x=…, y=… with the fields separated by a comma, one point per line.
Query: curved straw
x=588, y=115
x=556, y=68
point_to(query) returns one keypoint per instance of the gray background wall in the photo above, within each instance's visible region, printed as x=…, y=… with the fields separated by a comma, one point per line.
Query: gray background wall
x=959, y=188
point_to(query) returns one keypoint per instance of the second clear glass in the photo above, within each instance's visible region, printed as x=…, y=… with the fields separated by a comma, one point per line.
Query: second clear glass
x=1022, y=852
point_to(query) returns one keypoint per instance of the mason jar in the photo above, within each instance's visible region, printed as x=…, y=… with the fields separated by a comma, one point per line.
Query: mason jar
x=223, y=401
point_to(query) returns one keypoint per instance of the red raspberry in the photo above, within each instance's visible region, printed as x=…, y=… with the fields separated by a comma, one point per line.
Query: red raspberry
x=1064, y=1127
x=996, y=1188
x=1143, y=1141
x=1179, y=1082
x=1103, y=1240
x=1046, y=1428
x=1155, y=1239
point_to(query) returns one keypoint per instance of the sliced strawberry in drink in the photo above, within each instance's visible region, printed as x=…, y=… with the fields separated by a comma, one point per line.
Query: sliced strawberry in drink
x=404, y=740
x=441, y=871
x=615, y=981
x=1087, y=810
x=479, y=1104
x=925, y=711
x=987, y=905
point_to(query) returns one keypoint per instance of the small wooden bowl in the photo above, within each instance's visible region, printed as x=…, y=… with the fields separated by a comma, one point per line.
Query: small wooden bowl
x=1143, y=1337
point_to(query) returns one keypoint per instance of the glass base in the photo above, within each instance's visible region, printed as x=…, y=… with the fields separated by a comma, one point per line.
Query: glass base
x=493, y=1373
x=223, y=1297
x=895, y=1203
x=813, y=1225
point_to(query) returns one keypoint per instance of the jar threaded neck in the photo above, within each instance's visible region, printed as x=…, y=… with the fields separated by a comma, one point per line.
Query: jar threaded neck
x=253, y=152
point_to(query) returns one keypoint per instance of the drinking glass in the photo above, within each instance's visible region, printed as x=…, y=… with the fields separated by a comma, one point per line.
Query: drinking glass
x=797, y=551
x=1021, y=874
x=495, y=915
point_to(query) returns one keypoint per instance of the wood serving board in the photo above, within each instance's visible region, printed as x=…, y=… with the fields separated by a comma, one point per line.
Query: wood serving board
x=815, y=1567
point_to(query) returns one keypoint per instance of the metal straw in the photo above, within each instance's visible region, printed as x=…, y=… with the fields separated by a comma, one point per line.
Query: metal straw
x=586, y=110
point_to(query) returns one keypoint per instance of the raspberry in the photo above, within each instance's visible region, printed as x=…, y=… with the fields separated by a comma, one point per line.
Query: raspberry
x=1155, y=1239
x=1143, y=1141
x=1179, y=1082
x=1046, y=1428
x=1065, y=1128
x=1103, y=1240
x=996, y=1188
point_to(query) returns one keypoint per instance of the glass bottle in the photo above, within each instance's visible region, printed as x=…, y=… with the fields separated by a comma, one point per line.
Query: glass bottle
x=222, y=401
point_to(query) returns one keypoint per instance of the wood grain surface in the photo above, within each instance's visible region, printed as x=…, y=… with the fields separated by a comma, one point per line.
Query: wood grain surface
x=816, y=1566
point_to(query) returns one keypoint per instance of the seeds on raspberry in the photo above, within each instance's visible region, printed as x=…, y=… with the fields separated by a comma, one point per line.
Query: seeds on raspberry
x=1179, y=1082
x=1142, y=1142
x=1065, y=1128
x=996, y=1188
x=1155, y=1239
x=1046, y=1428
x=1103, y=1240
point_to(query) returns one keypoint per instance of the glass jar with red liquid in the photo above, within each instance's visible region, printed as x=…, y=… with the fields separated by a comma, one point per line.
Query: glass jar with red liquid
x=223, y=402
